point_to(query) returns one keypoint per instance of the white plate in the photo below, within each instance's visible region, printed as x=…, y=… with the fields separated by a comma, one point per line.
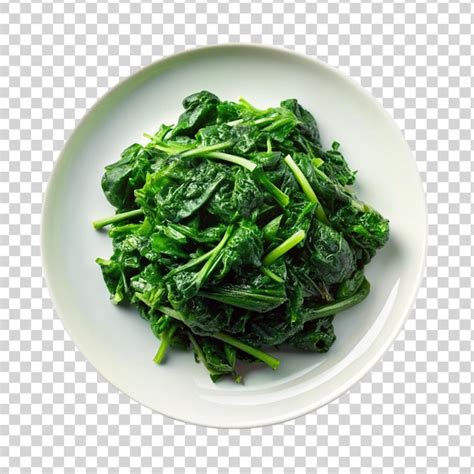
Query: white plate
x=120, y=344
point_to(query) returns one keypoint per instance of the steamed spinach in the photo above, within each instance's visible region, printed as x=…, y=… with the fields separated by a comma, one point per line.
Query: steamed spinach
x=236, y=230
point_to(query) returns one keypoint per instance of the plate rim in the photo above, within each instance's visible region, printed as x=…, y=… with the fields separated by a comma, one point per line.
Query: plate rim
x=373, y=358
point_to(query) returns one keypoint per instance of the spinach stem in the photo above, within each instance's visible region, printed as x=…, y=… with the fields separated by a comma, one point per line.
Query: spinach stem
x=98, y=224
x=169, y=149
x=271, y=361
x=190, y=264
x=260, y=121
x=249, y=106
x=205, y=149
x=306, y=188
x=172, y=313
x=266, y=271
x=165, y=342
x=338, y=305
x=237, y=160
x=202, y=358
x=243, y=298
x=317, y=162
x=184, y=150
x=209, y=265
x=278, y=123
x=197, y=347
x=284, y=247
x=301, y=178
x=209, y=256
x=269, y=144
x=361, y=206
x=280, y=197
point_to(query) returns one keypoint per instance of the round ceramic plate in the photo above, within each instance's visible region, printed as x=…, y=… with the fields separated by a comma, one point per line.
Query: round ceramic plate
x=120, y=344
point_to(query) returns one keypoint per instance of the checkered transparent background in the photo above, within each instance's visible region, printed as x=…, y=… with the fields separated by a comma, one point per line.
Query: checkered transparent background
x=412, y=411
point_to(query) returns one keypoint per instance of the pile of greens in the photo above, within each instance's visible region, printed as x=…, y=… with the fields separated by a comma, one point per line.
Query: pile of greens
x=236, y=230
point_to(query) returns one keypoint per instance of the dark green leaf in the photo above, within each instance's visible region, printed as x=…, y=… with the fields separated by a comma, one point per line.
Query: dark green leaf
x=200, y=109
x=316, y=336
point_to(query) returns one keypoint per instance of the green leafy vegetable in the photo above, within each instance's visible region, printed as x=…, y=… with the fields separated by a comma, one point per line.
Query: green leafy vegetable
x=236, y=230
x=123, y=177
x=199, y=109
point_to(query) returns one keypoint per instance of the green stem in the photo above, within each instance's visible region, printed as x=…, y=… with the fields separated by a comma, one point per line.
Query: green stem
x=165, y=342
x=172, y=313
x=204, y=257
x=278, y=123
x=161, y=134
x=245, y=298
x=266, y=271
x=190, y=264
x=301, y=178
x=280, y=197
x=249, y=106
x=338, y=305
x=98, y=224
x=187, y=151
x=284, y=247
x=233, y=123
x=196, y=347
x=170, y=148
x=361, y=206
x=210, y=264
x=307, y=189
x=317, y=162
x=260, y=121
x=124, y=229
x=203, y=150
x=202, y=358
x=237, y=160
x=257, y=353
x=269, y=144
